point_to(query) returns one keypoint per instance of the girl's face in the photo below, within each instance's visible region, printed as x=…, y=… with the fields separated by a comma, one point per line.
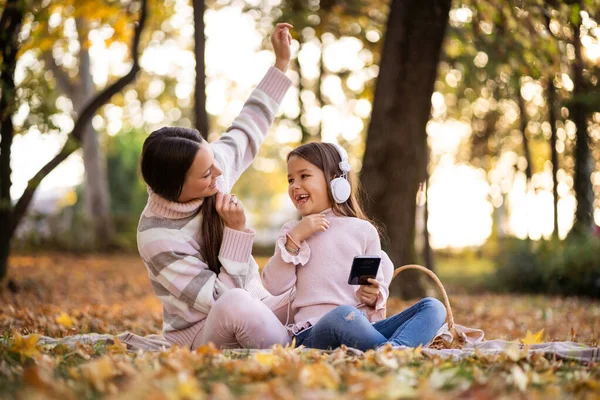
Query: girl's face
x=308, y=187
x=201, y=178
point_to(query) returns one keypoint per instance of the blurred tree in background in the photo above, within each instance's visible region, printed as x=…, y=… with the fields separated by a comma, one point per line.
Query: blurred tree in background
x=59, y=40
x=12, y=216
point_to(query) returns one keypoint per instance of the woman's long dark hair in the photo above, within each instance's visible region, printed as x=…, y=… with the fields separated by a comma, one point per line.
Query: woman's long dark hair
x=167, y=155
x=326, y=157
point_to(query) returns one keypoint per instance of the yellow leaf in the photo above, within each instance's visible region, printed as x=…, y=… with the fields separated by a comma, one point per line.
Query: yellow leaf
x=187, y=388
x=417, y=350
x=117, y=347
x=25, y=346
x=533, y=338
x=265, y=359
x=99, y=371
x=64, y=320
x=319, y=376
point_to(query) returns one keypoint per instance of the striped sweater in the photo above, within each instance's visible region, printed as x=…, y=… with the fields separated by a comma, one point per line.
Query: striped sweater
x=169, y=232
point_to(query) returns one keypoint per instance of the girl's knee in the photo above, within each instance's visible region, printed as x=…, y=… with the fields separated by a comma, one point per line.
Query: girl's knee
x=346, y=313
x=436, y=310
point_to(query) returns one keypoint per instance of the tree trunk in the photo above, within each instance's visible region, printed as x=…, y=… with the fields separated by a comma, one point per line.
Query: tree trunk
x=319, y=92
x=96, y=189
x=526, y=152
x=201, y=117
x=553, y=153
x=10, y=26
x=396, y=147
x=303, y=129
x=584, y=193
x=7, y=131
x=551, y=93
x=427, y=251
x=523, y=128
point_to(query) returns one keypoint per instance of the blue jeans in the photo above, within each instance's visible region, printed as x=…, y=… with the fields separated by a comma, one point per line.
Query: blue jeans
x=347, y=325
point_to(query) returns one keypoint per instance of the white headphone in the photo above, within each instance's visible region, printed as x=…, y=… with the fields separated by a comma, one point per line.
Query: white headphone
x=340, y=187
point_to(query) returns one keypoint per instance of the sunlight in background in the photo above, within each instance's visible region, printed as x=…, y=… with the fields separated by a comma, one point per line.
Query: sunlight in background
x=462, y=201
x=31, y=152
x=460, y=214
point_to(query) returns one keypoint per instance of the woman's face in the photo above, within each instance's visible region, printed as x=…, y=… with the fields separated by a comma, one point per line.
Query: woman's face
x=201, y=178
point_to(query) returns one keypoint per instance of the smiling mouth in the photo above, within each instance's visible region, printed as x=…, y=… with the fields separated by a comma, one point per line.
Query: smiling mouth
x=213, y=185
x=302, y=199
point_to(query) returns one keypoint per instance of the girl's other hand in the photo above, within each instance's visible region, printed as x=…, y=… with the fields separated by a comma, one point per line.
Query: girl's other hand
x=368, y=294
x=308, y=226
x=282, y=41
x=231, y=211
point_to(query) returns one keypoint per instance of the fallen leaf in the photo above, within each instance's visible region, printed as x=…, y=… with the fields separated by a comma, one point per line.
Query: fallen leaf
x=440, y=378
x=187, y=388
x=513, y=352
x=65, y=320
x=319, y=376
x=99, y=371
x=25, y=346
x=117, y=347
x=266, y=359
x=533, y=338
x=519, y=378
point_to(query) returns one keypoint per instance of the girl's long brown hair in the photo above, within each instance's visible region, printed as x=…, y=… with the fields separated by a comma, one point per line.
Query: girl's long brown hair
x=327, y=158
x=167, y=155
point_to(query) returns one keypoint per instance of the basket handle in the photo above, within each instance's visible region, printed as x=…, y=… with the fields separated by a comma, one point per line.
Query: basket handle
x=439, y=284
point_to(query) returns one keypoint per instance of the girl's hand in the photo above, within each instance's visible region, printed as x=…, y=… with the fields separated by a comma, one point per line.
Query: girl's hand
x=368, y=294
x=281, y=41
x=231, y=211
x=308, y=226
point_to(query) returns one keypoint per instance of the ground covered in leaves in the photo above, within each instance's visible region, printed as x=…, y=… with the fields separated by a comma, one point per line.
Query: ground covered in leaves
x=59, y=295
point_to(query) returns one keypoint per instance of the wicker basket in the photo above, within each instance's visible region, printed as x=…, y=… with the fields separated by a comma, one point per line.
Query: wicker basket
x=457, y=341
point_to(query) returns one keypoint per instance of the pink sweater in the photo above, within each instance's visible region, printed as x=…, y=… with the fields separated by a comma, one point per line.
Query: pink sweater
x=320, y=271
x=169, y=232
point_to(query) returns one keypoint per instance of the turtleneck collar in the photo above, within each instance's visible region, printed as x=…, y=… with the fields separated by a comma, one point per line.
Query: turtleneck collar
x=172, y=209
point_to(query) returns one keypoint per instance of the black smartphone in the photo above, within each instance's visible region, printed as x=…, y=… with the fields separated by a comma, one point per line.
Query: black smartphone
x=363, y=268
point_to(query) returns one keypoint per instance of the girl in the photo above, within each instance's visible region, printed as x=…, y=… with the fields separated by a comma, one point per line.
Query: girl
x=193, y=238
x=315, y=255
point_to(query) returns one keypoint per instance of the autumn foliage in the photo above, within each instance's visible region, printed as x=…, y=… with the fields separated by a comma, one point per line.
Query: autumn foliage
x=58, y=295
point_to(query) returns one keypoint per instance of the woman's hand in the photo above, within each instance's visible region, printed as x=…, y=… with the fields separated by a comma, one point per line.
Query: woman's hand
x=281, y=41
x=308, y=226
x=231, y=211
x=368, y=294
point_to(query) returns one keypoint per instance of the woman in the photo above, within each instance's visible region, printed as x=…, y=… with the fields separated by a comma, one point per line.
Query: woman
x=192, y=235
